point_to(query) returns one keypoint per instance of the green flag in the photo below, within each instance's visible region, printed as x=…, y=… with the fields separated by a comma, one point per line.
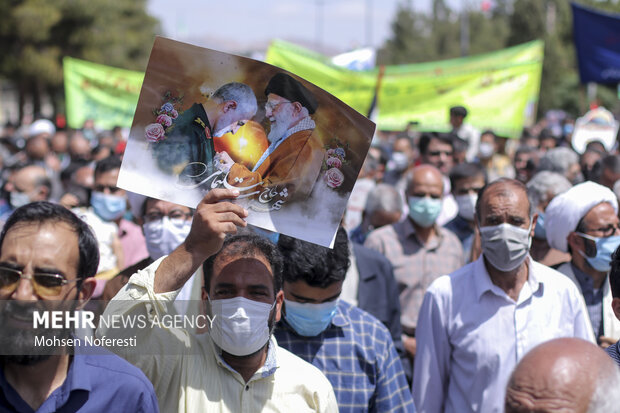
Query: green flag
x=107, y=95
x=499, y=89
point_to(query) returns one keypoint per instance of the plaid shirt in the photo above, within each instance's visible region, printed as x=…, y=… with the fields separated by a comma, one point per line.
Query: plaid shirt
x=358, y=357
x=416, y=265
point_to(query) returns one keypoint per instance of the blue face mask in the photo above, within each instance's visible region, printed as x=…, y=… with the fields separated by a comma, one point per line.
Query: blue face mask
x=271, y=236
x=605, y=247
x=424, y=211
x=309, y=320
x=108, y=207
x=539, y=231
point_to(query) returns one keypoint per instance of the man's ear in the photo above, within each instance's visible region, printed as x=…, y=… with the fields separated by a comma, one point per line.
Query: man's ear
x=298, y=107
x=615, y=304
x=575, y=242
x=229, y=105
x=534, y=221
x=86, y=291
x=279, y=302
x=43, y=192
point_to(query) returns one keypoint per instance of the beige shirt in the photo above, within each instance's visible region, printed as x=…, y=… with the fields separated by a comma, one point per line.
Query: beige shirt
x=188, y=373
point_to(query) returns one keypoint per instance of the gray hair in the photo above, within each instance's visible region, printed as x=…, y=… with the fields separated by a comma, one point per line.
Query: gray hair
x=240, y=93
x=558, y=160
x=546, y=184
x=383, y=197
x=606, y=397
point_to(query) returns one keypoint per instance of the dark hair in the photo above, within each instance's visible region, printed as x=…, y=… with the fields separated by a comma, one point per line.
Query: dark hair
x=107, y=164
x=246, y=245
x=525, y=149
x=426, y=138
x=316, y=265
x=43, y=212
x=466, y=170
x=489, y=132
x=614, y=274
x=458, y=111
x=518, y=185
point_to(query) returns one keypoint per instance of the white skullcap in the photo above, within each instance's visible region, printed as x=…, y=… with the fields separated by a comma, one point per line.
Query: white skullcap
x=41, y=126
x=566, y=210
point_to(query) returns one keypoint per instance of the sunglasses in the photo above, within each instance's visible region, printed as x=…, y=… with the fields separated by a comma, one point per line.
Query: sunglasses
x=44, y=285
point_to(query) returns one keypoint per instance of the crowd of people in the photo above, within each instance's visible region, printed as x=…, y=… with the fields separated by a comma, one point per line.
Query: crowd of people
x=471, y=273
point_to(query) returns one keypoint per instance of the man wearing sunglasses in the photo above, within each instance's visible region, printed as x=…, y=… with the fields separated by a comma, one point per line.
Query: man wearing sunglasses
x=583, y=221
x=48, y=256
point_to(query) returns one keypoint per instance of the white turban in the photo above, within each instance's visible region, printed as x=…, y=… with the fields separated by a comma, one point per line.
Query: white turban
x=566, y=210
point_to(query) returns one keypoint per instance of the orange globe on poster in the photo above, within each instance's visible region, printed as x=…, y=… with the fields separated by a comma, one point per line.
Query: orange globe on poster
x=246, y=146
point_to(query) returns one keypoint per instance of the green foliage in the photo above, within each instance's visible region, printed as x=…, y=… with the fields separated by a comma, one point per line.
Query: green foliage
x=36, y=34
x=420, y=38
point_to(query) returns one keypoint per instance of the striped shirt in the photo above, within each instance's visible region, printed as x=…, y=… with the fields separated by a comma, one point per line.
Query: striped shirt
x=614, y=352
x=357, y=355
x=416, y=265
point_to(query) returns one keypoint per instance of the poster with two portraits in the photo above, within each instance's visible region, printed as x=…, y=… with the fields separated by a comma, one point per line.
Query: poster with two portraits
x=207, y=119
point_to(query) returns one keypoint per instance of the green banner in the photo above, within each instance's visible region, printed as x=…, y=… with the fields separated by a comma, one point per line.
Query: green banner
x=107, y=95
x=499, y=89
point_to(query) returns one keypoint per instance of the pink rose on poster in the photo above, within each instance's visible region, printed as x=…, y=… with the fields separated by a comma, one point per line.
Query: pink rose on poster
x=334, y=162
x=164, y=120
x=331, y=152
x=173, y=114
x=334, y=177
x=154, y=132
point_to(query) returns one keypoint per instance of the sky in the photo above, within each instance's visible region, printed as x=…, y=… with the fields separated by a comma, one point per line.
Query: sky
x=249, y=25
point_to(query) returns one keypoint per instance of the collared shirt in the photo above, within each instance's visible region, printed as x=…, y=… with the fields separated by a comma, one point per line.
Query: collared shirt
x=304, y=124
x=94, y=383
x=416, y=265
x=358, y=357
x=471, y=334
x=593, y=299
x=614, y=352
x=462, y=229
x=351, y=284
x=189, y=374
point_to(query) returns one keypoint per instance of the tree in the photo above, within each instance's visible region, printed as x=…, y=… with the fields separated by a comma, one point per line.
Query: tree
x=419, y=38
x=36, y=34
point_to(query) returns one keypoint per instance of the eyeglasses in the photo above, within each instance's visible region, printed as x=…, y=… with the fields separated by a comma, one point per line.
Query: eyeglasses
x=270, y=106
x=607, y=231
x=44, y=285
x=174, y=214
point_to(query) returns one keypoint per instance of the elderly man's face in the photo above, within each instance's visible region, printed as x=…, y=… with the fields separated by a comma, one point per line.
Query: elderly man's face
x=281, y=114
x=505, y=203
x=426, y=183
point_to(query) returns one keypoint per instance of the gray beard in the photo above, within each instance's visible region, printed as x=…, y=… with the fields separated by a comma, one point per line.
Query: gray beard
x=278, y=129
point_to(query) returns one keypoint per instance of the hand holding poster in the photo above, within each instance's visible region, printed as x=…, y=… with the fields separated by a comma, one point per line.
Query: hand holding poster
x=207, y=119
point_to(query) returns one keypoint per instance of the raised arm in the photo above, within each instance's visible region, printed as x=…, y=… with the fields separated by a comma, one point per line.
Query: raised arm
x=215, y=217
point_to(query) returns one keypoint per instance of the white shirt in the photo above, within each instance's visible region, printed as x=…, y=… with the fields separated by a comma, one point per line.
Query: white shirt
x=188, y=372
x=471, y=334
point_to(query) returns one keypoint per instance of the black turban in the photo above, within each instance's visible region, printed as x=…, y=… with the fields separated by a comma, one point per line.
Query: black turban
x=285, y=86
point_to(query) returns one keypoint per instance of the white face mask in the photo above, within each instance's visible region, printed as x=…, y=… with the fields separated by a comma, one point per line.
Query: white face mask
x=163, y=236
x=486, y=150
x=18, y=199
x=505, y=246
x=240, y=326
x=467, y=205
